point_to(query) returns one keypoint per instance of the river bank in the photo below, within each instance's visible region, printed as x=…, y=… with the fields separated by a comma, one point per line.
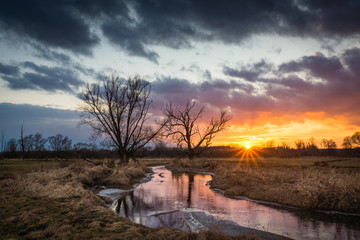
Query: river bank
x=49, y=200
x=303, y=183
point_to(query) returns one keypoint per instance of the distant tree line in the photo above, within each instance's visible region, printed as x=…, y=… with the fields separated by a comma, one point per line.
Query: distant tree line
x=59, y=146
x=35, y=145
x=327, y=147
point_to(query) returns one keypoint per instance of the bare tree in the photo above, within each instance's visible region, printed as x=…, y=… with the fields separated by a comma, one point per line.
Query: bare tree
x=59, y=143
x=352, y=142
x=328, y=144
x=300, y=144
x=28, y=142
x=39, y=142
x=32, y=143
x=181, y=124
x=269, y=144
x=3, y=142
x=347, y=143
x=285, y=145
x=21, y=140
x=118, y=110
x=12, y=145
x=355, y=138
x=311, y=146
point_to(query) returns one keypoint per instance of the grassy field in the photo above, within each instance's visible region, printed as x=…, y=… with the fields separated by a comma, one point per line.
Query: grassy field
x=321, y=183
x=48, y=200
x=43, y=199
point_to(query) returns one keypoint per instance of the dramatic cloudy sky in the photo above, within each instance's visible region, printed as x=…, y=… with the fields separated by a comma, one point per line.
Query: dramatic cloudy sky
x=286, y=70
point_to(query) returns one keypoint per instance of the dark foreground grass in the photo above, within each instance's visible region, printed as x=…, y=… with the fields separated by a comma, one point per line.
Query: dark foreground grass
x=310, y=183
x=52, y=203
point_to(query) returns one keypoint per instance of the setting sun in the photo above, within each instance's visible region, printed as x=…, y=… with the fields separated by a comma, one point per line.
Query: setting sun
x=247, y=145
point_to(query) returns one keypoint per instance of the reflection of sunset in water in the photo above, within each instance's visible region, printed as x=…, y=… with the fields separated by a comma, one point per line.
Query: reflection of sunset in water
x=169, y=191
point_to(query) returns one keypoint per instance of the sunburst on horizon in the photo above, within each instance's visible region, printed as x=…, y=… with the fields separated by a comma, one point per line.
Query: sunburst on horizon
x=248, y=154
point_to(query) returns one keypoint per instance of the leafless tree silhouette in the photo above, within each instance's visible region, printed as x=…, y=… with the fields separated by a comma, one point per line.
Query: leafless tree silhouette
x=21, y=141
x=181, y=124
x=355, y=138
x=352, y=142
x=118, y=109
x=300, y=144
x=3, y=142
x=59, y=143
x=328, y=144
x=347, y=142
x=12, y=145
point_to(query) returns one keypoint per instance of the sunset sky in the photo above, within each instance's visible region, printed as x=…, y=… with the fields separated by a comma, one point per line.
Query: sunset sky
x=286, y=70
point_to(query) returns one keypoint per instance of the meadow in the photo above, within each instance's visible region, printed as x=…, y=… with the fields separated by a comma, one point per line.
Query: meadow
x=317, y=183
x=42, y=199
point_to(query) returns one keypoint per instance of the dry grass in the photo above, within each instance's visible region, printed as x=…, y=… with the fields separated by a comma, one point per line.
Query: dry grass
x=305, y=188
x=198, y=164
x=29, y=165
x=155, y=161
x=295, y=182
x=52, y=203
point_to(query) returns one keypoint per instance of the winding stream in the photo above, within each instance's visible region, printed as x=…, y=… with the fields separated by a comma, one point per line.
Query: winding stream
x=180, y=199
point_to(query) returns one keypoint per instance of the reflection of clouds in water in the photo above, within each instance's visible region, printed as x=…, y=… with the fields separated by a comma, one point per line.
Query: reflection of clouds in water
x=179, y=190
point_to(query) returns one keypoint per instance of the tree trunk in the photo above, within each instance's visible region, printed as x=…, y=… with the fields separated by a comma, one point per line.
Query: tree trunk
x=191, y=154
x=123, y=159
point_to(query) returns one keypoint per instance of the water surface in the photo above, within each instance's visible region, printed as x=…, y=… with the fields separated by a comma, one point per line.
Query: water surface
x=169, y=196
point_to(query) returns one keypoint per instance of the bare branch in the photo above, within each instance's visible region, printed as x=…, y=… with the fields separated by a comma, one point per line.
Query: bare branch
x=180, y=124
x=118, y=109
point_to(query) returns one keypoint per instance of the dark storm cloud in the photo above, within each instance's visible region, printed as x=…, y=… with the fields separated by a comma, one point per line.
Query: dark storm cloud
x=50, y=55
x=155, y=23
x=175, y=23
x=334, y=17
x=48, y=121
x=8, y=69
x=213, y=93
x=173, y=86
x=310, y=84
x=135, y=26
x=318, y=65
x=62, y=59
x=250, y=72
x=42, y=77
x=130, y=41
x=352, y=59
x=53, y=23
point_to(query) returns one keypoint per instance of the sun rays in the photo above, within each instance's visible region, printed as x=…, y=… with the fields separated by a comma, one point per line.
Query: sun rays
x=248, y=155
